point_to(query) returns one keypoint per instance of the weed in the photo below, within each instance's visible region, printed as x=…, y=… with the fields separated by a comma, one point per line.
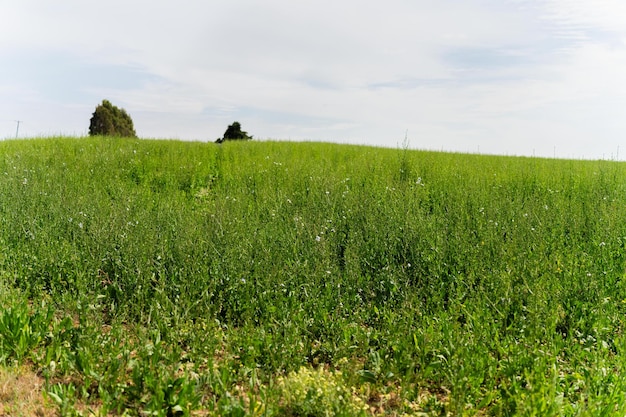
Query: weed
x=170, y=278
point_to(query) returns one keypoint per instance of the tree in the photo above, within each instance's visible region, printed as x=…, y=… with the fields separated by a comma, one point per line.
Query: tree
x=234, y=132
x=109, y=120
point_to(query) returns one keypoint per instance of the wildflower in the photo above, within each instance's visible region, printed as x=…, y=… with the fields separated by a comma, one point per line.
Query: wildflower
x=318, y=238
x=318, y=392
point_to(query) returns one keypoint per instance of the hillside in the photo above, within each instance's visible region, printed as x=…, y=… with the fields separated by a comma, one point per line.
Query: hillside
x=171, y=277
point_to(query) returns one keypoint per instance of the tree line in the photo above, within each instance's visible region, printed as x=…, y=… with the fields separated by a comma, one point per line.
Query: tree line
x=110, y=120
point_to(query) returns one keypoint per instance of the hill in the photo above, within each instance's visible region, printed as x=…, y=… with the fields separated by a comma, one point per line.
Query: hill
x=304, y=278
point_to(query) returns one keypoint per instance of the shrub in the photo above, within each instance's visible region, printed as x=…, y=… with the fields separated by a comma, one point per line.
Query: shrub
x=109, y=120
x=234, y=132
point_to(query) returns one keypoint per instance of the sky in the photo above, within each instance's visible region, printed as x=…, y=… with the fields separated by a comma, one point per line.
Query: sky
x=510, y=77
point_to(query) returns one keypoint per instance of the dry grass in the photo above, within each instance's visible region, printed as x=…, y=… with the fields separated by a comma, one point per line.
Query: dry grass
x=21, y=394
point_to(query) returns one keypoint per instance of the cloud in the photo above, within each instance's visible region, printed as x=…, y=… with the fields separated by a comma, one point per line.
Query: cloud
x=505, y=76
x=48, y=71
x=577, y=18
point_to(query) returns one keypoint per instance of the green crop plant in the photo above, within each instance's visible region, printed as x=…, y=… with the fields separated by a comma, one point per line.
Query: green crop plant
x=21, y=331
x=146, y=276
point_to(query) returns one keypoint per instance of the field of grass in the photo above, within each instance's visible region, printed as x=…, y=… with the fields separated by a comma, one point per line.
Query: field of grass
x=263, y=278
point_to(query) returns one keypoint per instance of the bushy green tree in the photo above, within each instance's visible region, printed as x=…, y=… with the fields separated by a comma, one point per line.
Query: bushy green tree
x=234, y=132
x=109, y=120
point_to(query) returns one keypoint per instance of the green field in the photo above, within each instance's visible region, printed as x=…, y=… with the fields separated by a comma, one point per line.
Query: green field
x=264, y=278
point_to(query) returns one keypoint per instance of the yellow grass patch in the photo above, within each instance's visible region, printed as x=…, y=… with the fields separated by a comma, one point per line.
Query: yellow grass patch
x=21, y=394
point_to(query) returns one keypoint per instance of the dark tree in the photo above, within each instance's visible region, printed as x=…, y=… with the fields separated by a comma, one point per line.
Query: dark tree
x=109, y=120
x=234, y=132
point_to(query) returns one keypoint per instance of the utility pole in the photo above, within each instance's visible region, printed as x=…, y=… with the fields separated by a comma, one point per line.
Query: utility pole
x=17, y=131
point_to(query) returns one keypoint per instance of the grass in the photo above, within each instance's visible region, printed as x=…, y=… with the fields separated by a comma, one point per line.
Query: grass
x=21, y=394
x=266, y=278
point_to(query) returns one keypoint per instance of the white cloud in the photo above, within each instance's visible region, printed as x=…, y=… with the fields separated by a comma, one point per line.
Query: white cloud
x=578, y=16
x=506, y=76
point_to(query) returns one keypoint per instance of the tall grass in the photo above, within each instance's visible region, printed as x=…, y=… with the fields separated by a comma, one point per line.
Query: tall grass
x=193, y=276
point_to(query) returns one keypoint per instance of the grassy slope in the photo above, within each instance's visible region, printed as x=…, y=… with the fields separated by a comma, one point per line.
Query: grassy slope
x=175, y=276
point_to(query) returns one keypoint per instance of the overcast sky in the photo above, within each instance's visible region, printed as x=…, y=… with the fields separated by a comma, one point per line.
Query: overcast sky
x=514, y=77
